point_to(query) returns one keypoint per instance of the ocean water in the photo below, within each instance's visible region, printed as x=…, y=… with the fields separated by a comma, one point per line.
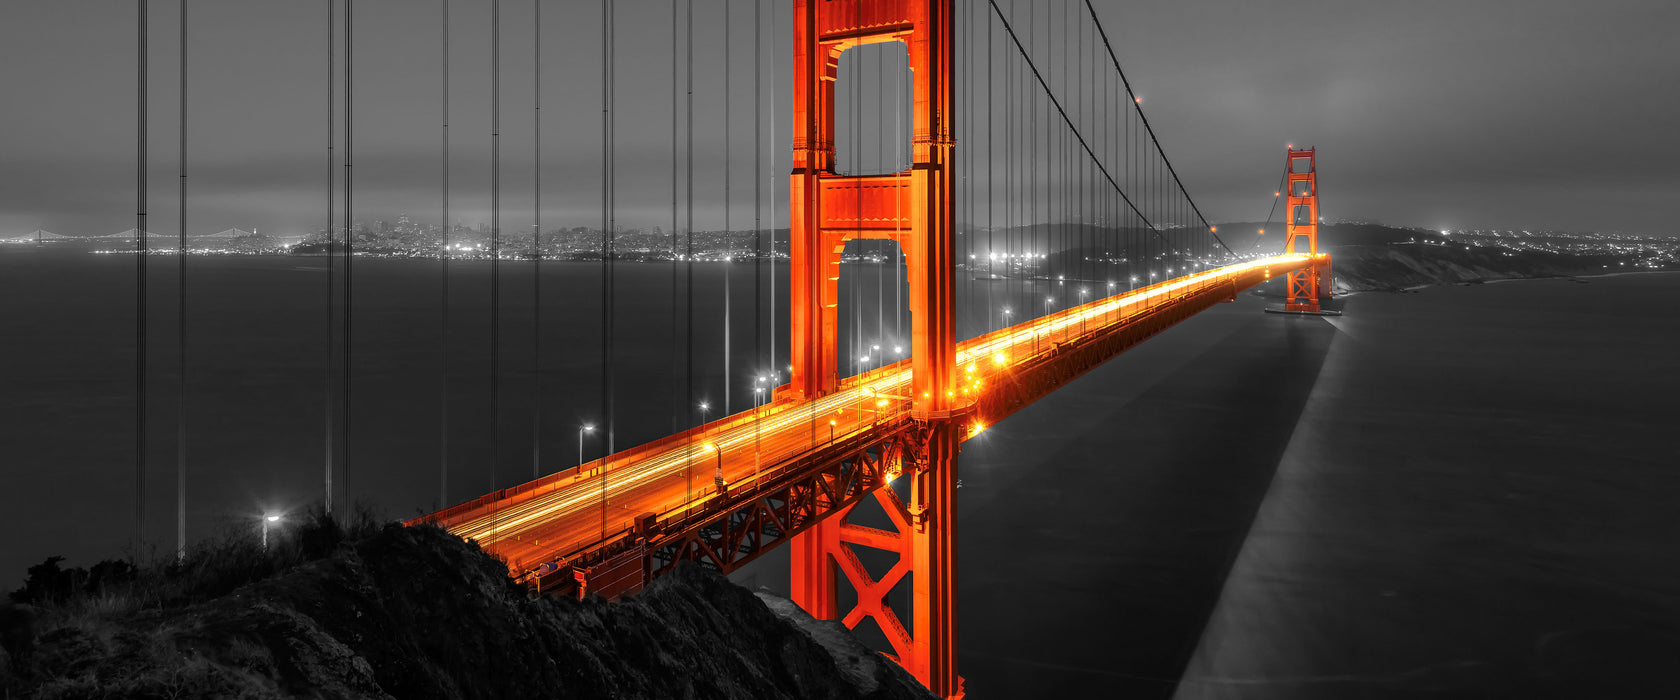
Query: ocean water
x=1466, y=491
x=1462, y=492
x=257, y=377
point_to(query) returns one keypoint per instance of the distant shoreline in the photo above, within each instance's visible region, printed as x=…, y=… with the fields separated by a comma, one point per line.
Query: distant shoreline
x=1501, y=280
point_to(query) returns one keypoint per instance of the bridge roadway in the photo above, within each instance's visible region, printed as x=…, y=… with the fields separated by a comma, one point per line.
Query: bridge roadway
x=561, y=517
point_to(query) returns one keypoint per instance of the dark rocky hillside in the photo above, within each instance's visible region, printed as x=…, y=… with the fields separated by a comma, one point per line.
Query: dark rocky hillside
x=416, y=613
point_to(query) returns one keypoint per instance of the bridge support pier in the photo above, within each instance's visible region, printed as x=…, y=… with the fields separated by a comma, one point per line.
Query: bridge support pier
x=924, y=538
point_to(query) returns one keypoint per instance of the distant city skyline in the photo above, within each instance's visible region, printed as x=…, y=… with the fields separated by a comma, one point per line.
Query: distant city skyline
x=1505, y=114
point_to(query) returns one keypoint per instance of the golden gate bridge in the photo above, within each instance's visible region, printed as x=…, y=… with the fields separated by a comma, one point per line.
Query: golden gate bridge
x=1019, y=153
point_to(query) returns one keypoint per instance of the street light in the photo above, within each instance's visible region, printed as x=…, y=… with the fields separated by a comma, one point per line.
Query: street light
x=718, y=478
x=705, y=409
x=585, y=428
x=269, y=519
x=1006, y=317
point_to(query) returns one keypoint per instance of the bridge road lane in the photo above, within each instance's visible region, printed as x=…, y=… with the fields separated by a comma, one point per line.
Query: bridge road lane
x=558, y=522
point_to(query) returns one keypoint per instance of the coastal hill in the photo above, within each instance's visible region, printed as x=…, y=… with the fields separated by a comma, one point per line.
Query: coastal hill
x=1373, y=257
x=399, y=612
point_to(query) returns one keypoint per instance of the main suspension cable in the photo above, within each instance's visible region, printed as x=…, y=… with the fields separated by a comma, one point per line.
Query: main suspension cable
x=1069, y=121
x=1103, y=33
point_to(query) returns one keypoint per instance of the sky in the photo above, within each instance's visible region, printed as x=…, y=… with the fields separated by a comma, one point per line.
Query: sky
x=1434, y=113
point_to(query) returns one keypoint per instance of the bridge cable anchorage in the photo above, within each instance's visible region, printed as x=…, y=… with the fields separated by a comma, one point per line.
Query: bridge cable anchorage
x=1103, y=34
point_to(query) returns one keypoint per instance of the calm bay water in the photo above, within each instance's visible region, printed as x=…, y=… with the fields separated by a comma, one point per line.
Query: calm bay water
x=1468, y=490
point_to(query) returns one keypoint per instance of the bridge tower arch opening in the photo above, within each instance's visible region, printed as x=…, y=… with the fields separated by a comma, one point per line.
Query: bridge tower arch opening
x=873, y=318
x=915, y=208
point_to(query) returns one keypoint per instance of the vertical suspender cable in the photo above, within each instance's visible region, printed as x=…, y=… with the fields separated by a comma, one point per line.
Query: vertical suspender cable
x=899, y=165
x=536, y=240
x=1052, y=102
x=1103, y=34
x=758, y=191
x=858, y=344
x=678, y=416
x=683, y=417
x=181, y=326
x=495, y=241
x=332, y=242
x=728, y=234
x=758, y=224
x=140, y=134
x=443, y=294
x=607, y=254
x=688, y=212
x=1011, y=181
x=880, y=158
x=771, y=106
x=349, y=232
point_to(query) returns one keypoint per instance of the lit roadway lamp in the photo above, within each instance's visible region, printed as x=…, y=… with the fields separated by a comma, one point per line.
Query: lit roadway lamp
x=1006, y=317
x=271, y=519
x=1082, y=293
x=705, y=409
x=582, y=430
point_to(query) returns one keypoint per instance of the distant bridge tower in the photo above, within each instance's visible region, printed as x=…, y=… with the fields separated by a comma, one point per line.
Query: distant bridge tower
x=1305, y=284
x=915, y=209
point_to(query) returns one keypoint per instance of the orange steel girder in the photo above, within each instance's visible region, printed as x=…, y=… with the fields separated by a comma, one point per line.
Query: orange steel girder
x=924, y=538
x=915, y=209
x=1305, y=286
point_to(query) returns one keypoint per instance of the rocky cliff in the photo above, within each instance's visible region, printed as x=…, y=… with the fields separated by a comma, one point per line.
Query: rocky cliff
x=417, y=613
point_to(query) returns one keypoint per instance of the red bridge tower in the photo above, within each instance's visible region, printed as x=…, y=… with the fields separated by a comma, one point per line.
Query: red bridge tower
x=915, y=209
x=1306, y=284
